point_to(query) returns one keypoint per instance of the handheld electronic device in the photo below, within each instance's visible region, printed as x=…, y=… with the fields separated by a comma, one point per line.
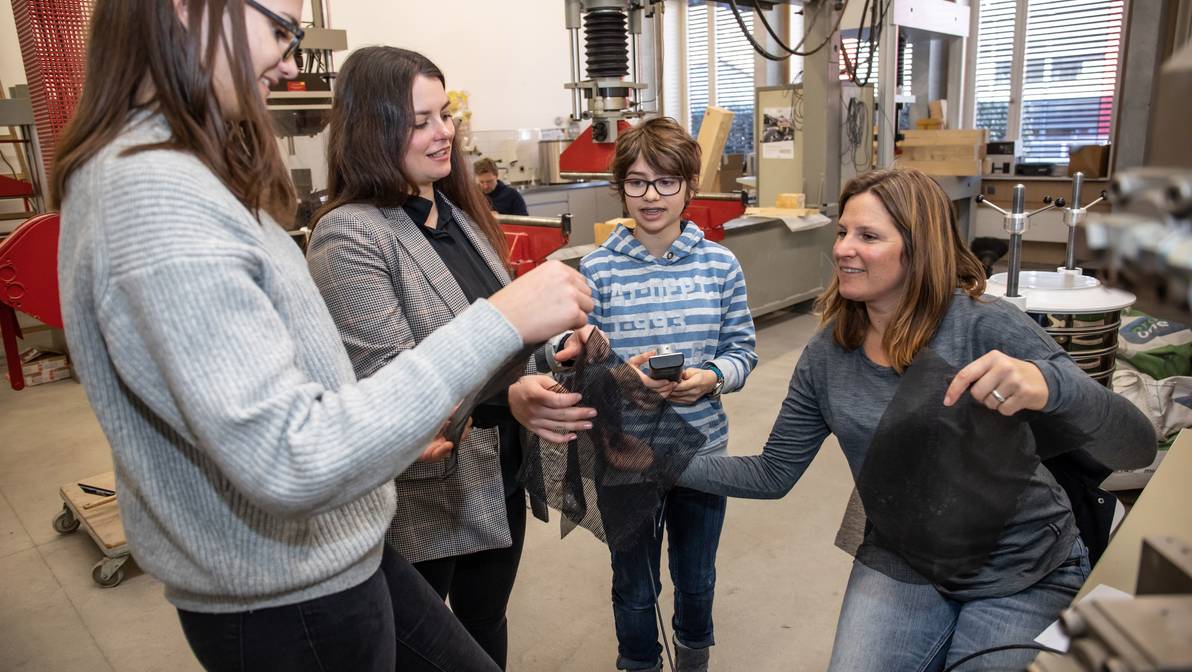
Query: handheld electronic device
x=666, y=366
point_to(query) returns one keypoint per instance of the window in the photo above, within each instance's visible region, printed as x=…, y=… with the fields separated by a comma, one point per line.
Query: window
x=698, y=75
x=995, y=60
x=729, y=75
x=1070, y=75
x=1064, y=94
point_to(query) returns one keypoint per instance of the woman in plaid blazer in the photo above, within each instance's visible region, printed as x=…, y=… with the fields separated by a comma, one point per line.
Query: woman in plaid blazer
x=405, y=243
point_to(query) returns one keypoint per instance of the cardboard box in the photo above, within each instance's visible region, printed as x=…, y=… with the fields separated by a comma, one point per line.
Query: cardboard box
x=43, y=366
x=1092, y=160
x=47, y=376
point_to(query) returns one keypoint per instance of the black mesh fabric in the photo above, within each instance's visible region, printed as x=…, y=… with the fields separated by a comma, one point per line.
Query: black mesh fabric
x=612, y=478
x=510, y=371
x=940, y=483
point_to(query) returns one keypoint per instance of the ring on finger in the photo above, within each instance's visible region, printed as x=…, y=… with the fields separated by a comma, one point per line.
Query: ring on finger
x=1001, y=399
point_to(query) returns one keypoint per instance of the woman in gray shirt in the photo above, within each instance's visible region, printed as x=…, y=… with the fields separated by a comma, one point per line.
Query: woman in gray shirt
x=254, y=470
x=905, y=282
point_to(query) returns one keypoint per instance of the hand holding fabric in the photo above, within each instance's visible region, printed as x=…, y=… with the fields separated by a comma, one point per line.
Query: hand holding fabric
x=1001, y=383
x=575, y=344
x=546, y=412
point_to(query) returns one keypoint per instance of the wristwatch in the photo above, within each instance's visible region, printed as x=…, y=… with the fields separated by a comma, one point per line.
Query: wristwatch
x=719, y=379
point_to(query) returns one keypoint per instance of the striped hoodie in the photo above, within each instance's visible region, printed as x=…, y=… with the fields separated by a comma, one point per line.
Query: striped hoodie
x=693, y=299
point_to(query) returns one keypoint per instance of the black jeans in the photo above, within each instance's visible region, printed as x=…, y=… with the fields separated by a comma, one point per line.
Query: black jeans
x=363, y=628
x=479, y=584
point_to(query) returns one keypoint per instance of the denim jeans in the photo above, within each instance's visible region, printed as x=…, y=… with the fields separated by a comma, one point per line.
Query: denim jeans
x=887, y=624
x=361, y=629
x=693, y=522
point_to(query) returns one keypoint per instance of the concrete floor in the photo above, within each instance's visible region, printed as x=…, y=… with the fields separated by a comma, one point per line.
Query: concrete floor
x=779, y=587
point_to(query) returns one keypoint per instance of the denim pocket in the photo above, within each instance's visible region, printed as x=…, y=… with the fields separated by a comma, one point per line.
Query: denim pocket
x=1073, y=571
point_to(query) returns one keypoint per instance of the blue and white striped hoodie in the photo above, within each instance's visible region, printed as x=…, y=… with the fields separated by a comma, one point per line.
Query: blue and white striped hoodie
x=693, y=299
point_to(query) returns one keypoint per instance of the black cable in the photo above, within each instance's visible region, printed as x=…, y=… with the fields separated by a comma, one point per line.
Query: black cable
x=10, y=166
x=774, y=35
x=790, y=52
x=877, y=25
x=995, y=649
x=849, y=68
x=795, y=51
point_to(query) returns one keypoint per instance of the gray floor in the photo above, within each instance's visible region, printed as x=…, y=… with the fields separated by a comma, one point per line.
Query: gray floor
x=779, y=584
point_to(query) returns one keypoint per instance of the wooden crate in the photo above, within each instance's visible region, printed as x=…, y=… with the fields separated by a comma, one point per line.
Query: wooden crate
x=943, y=152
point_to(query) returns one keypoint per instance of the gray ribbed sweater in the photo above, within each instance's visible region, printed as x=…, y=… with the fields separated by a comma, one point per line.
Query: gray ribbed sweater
x=253, y=470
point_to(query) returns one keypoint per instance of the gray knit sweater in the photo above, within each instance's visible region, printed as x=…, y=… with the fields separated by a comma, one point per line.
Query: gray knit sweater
x=253, y=469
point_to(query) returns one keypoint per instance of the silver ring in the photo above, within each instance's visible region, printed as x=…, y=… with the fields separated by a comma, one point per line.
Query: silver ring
x=997, y=395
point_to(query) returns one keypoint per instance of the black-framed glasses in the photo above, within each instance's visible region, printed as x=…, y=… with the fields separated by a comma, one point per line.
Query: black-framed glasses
x=294, y=30
x=665, y=186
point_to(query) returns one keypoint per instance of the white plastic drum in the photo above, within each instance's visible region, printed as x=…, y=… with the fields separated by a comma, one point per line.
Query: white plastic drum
x=1080, y=313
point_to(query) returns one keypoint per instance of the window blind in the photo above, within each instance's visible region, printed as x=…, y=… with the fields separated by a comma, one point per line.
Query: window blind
x=1070, y=75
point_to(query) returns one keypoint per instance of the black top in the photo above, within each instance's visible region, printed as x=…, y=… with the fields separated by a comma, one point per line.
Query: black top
x=451, y=243
x=477, y=281
x=507, y=200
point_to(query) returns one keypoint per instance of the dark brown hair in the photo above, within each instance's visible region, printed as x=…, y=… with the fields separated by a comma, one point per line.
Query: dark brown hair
x=937, y=260
x=485, y=166
x=139, y=46
x=372, y=119
x=665, y=146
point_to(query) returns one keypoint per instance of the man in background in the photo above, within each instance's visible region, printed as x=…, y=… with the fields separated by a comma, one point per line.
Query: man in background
x=505, y=199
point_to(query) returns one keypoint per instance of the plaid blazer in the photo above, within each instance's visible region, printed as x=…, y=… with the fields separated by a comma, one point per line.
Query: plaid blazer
x=387, y=290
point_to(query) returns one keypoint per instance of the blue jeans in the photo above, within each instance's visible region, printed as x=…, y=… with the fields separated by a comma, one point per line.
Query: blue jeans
x=886, y=624
x=693, y=522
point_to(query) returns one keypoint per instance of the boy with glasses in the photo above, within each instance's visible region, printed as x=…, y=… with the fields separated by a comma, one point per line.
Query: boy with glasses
x=662, y=286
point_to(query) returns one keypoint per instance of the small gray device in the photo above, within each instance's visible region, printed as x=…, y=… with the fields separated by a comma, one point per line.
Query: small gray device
x=666, y=365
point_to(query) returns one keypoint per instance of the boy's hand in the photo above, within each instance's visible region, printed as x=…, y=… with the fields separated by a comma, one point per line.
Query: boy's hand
x=694, y=385
x=662, y=387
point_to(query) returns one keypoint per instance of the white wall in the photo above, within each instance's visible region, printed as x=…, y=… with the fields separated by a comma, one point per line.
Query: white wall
x=511, y=57
x=12, y=71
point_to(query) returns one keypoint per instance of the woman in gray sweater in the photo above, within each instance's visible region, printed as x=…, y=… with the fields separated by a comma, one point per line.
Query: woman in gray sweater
x=254, y=471
x=904, y=283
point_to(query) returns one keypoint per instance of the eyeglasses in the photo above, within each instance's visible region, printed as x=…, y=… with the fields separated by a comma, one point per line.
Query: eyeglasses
x=295, y=32
x=664, y=186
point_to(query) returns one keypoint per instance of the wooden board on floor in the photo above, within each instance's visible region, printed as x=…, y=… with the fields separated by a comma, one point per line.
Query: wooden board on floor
x=713, y=134
x=104, y=520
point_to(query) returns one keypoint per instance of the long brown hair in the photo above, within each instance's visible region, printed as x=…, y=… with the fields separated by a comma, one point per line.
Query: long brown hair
x=937, y=260
x=372, y=119
x=141, y=45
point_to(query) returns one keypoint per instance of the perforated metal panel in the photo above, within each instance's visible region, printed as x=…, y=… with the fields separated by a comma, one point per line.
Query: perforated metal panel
x=53, y=36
